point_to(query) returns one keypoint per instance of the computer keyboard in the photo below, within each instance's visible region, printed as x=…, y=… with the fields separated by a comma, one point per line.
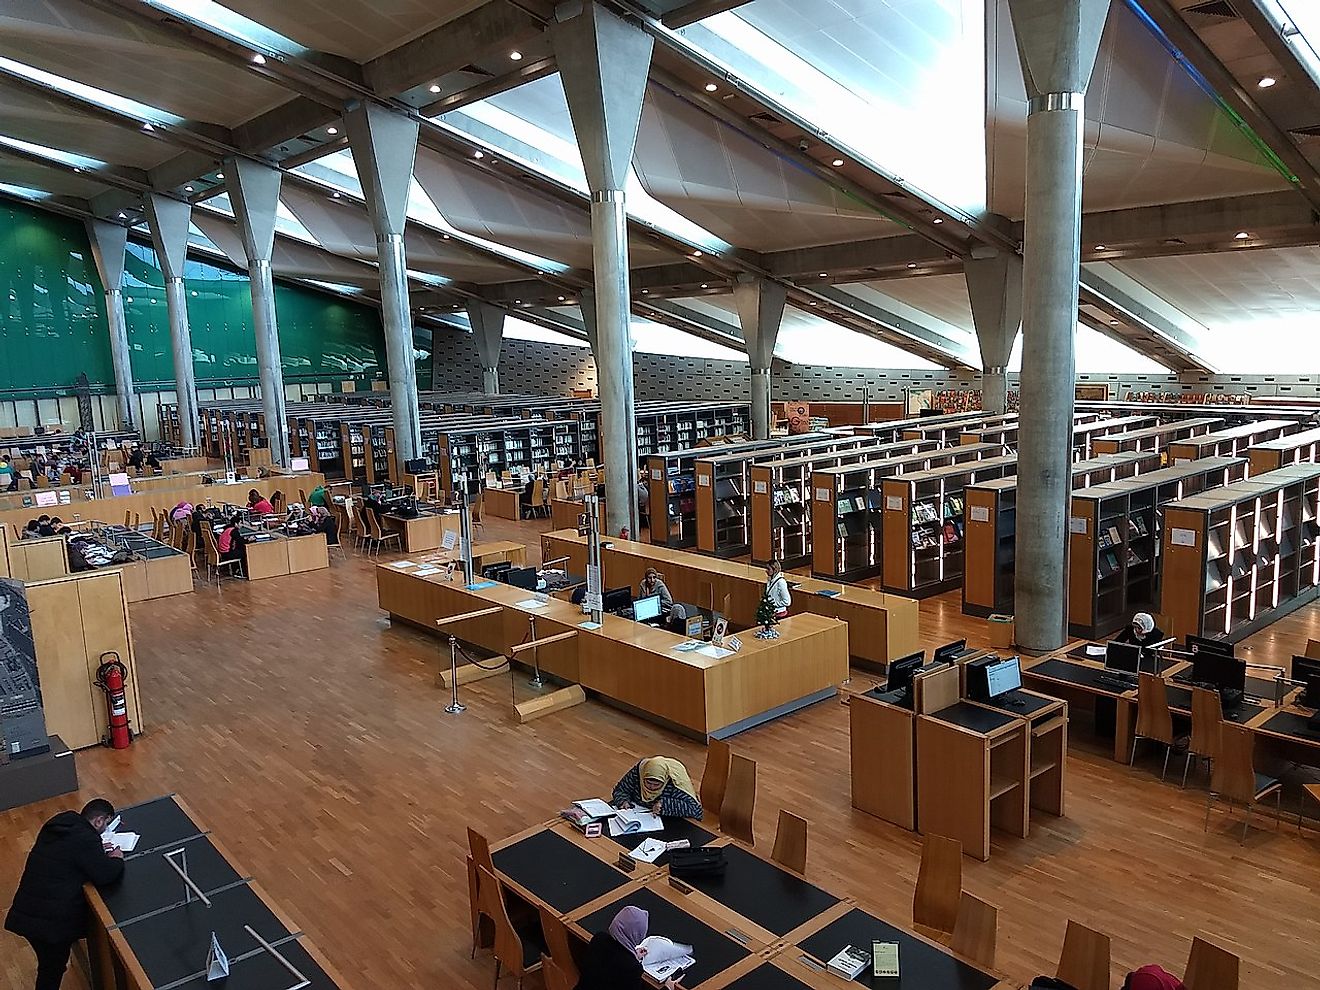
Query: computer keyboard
x=1115, y=681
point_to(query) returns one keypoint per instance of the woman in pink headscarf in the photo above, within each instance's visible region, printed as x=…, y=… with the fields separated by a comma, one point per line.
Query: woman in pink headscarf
x=613, y=960
x=1152, y=978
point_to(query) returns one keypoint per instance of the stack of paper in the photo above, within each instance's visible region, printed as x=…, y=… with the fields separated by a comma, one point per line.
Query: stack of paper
x=662, y=958
x=649, y=851
x=127, y=841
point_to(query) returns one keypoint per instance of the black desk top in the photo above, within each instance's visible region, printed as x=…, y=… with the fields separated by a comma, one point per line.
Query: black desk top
x=1180, y=700
x=768, y=977
x=713, y=950
x=1030, y=703
x=889, y=697
x=973, y=717
x=160, y=822
x=149, y=883
x=558, y=871
x=761, y=892
x=1075, y=673
x=172, y=946
x=261, y=971
x=675, y=829
x=923, y=965
x=1287, y=723
x=1079, y=653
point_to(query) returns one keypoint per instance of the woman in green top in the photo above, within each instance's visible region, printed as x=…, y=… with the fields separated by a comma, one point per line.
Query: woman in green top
x=319, y=497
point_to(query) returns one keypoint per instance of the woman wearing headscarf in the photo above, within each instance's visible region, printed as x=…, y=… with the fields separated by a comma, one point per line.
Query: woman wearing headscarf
x=661, y=785
x=613, y=960
x=1142, y=632
x=1152, y=978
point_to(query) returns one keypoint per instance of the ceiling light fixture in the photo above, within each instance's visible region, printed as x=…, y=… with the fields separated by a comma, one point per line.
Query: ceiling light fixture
x=837, y=163
x=123, y=216
x=912, y=264
x=705, y=285
x=696, y=254
x=334, y=195
x=561, y=298
x=1266, y=82
x=194, y=292
x=1241, y=235
x=515, y=56
x=219, y=175
x=129, y=298
x=187, y=188
x=711, y=87
x=332, y=130
x=1113, y=323
x=813, y=302
x=1101, y=247
x=259, y=59
x=478, y=154
x=147, y=127
x=824, y=274
x=938, y=220
x=435, y=88
x=445, y=236
x=646, y=292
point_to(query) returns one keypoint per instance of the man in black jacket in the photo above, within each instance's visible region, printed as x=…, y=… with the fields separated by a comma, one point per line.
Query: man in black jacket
x=49, y=910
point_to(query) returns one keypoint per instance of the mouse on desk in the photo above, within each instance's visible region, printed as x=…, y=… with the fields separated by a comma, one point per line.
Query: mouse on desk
x=1015, y=703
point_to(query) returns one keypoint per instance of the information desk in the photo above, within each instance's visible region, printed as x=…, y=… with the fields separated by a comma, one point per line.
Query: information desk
x=701, y=693
x=272, y=554
x=880, y=626
x=760, y=926
x=151, y=931
x=424, y=531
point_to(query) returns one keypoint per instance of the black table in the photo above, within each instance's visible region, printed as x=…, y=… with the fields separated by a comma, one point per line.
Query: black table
x=1082, y=675
x=260, y=970
x=149, y=883
x=923, y=965
x=769, y=977
x=558, y=871
x=675, y=829
x=974, y=717
x=763, y=893
x=161, y=822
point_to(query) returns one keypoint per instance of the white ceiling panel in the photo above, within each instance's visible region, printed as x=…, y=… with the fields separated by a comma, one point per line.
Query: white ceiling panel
x=942, y=296
x=736, y=188
x=1152, y=136
x=30, y=175
x=289, y=259
x=36, y=119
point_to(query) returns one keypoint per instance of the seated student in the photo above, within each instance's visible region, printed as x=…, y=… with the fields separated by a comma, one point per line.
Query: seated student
x=1142, y=632
x=231, y=545
x=258, y=504
x=181, y=512
x=324, y=521
x=1151, y=978
x=654, y=584
x=31, y=531
x=57, y=524
x=661, y=785
x=319, y=496
x=44, y=528
x=613, y=959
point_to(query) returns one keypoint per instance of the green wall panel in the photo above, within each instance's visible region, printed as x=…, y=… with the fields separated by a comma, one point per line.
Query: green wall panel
x=53, y=323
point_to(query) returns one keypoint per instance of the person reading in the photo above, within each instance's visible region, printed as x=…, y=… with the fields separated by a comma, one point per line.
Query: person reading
x=613, y=958
x=231, y=545
x=661, y=785
x=258, y=504
x=1142, y=632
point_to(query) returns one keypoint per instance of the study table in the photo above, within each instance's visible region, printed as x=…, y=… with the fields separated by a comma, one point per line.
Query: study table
x=761, y=926
x=703, y=692
x=424, y=531
x=150, y=930
x=503, y=503
x=271, y=554
x=880, y=626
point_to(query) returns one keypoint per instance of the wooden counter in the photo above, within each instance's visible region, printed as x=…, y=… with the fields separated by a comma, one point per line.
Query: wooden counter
x=157, y=577
x=880, y=626
x=633, y=665
x=503, y=503
x=423, y=532
x=286, y=555
x=38, y=559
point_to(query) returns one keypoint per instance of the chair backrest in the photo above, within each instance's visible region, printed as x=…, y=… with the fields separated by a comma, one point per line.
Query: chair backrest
x=1313, y=649
x=791, y=842
x=715, y=778
x=277, y=501
x=1207, y=717
x=939, y=884
x=739, y=799
x=976, y=931
x=479, y=847
x=373, y=519
x=538, y=491
x=1084, y=962
x=190, y=542
x=556, y=940
x=490, y=899
x=302, y=496
x=212, y=548
x=1154, y=720
x=1234, y=772
x=128, y=518
x=554, y=976
x=1211, y=967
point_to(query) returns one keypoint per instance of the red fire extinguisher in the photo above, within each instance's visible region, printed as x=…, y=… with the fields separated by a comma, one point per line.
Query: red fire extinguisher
x=110, y=679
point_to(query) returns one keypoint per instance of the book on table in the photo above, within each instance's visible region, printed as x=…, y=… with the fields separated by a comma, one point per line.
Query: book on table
x=849, y=962
x=630, y=821
x=662, y=958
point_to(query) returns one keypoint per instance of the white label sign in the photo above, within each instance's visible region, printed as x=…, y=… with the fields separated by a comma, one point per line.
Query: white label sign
x=822, y=494
x=980, y=513
x=593, y=602
x=451, y=540
x=593, y=580
x=657, y=474
x=758, y=487
x=894, y=503
x=703, y=480
x=1077, y=524
x=1182, y=537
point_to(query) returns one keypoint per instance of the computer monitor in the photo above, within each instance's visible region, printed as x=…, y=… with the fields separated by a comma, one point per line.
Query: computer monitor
x=616, y=599
x=1200, y=644
x=902, y=670
x=950, y=652
x=1225, y=673
x=646, y=609
x=495, y=572
x=522, y=577
x=1123, y=657
x=1003, y=677
x=1311, y=695
x=1304, y=667
x=694, y=626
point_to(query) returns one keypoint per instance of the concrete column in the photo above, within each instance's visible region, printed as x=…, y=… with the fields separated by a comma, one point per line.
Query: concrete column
x=254, y=192
x=384, y=145
x=1057, y=43
x=760, y=305
x=994, y=286
x=587, y=306
x=168, y=220
x=108, y=241
x=487, y=323
x=603, y=63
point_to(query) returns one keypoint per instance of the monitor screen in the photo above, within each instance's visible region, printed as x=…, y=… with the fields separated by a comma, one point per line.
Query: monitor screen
x=522, y=577
x=616, y=599
x=1200, y=644
x=1004, y=676
x=1225, y=673
x=902, y=670
x=646, y=609
x=950, y=651
x=1124, y=657
x=1304, y=667
x=496, y=572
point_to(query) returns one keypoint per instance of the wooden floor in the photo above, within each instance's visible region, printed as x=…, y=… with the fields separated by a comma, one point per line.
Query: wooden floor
x=311, y=737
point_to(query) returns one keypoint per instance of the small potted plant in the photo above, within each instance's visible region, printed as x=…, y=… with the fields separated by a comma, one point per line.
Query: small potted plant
x=765, y=614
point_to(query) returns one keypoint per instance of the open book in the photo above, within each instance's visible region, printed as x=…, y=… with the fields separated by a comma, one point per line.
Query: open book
x=630, y=821
x=664, y=957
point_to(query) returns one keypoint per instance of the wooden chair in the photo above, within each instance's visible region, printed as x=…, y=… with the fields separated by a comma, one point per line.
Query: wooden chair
x=155, y=522
x=1211, y=967
x=976, y=931
x=544, y=504
x=1313, y=649
x=41, y=481
x=128, y=519
x=739, y=799
x=1154, y=720
x=510, y=954
x=214, y=565
x=1207, y=717
x=554, y=977
x=1234, y=777
x=277, y=501
x=715, y=778
x=379, y=535
x=939, y=888
x=362, y=531
x=478, y=511
x=302, y=497
x=1084, y=961
x=532, y=506
x=561, y=952
x=478, y=853
x=791, y=842
x=190, y=547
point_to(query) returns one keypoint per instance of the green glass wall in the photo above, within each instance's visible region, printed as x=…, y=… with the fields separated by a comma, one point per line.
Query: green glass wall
x=53, y=322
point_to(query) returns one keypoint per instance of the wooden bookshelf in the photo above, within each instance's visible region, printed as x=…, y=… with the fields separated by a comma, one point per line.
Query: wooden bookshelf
x=924, y=529
x=950, y=432
x=891, y=430
x=672, y=482
x=1231, y=442
x=1242, y=556
x=1155, y=437
x=1114, y=559
x=845, y=502
x=1295, y=448
x=991, y=523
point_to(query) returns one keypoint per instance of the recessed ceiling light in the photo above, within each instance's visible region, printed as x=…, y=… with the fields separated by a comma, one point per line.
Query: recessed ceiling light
x=515, y=56
x=1113, y=323
x=194, y=292
x=912, y=264
x=334, y=195
x=813, y=302
x=1241, y=235
x=435, y=88
x=219, y=175
x=127, y=298
x=646, y=292
x=187, y=188
x=517, y=302
x=696, y=254
x=824, y=274
x=1100, y=247
x=147, y=127
x=259, y=59
x=123, y=216
x=938, y=220
x=561, y=298
x=478, y=154
x=711, y=87
x=445, y=236
x=1266, y=82
x=332, y=130
x=705, y=285
x=837, y=163
x=77, y=168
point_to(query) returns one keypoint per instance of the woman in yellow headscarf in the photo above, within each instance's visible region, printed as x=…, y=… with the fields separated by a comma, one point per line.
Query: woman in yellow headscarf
x=660, y=784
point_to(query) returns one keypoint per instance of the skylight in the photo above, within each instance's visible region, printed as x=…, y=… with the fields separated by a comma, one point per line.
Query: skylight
x=656, y=338
x=231, y=24
x=90, y=94
x=517, y=329
x=24, y=192
x=1298, y=23
x=52, y=154
x=1099, y=355
x=810, y=340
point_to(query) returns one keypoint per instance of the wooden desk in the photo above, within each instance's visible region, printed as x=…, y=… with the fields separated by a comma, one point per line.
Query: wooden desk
x=497, y=552
x=634, y=665
x=266, y=559
x=307, y=553
x=156, y=577
x=286, y=555
x=504, y=503
x=880, y=626
x=39, y=559
x=424, y=532
x=883, y=751
x=1070, y=675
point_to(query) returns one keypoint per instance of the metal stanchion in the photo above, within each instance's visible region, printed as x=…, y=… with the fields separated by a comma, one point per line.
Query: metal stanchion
x=536, y=681
x=455, y=706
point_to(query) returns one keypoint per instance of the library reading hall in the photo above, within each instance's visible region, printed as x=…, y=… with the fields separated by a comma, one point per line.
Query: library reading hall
x=638, y=494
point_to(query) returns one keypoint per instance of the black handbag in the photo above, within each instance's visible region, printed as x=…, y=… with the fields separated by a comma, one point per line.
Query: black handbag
x=695, y=864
